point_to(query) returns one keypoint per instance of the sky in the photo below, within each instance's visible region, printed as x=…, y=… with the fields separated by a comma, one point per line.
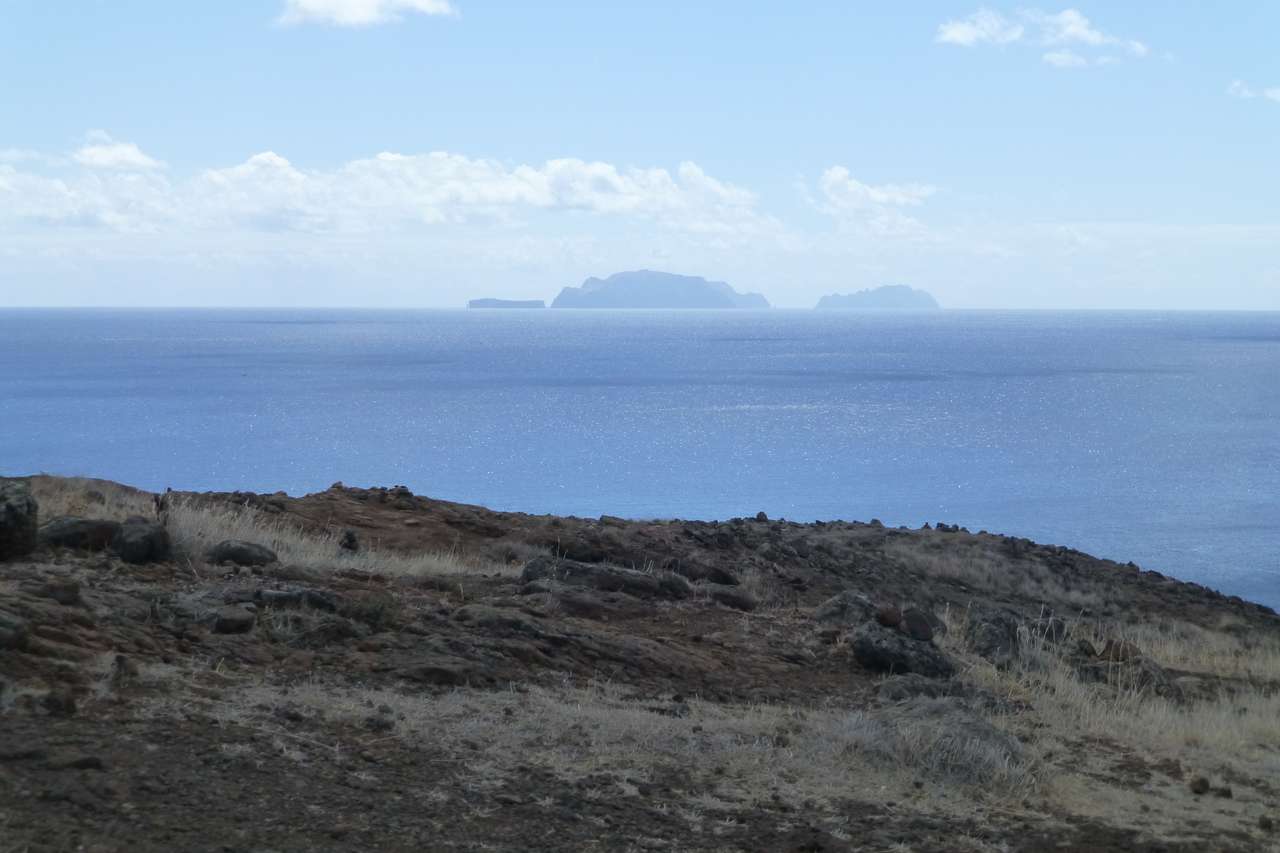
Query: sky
x=419, y=153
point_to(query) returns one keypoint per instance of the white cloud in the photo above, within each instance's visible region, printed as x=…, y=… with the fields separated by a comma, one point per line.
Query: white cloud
x=1240, y=89
x=103, y=152
x=359, y=13
x=982, y=27
x=1068, y=27
x=1061, y=30
x=1065, y=59
x=121, y=188
x=877, y=209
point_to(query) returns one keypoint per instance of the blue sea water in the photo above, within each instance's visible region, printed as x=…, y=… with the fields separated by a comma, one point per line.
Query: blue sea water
x=1152, y=437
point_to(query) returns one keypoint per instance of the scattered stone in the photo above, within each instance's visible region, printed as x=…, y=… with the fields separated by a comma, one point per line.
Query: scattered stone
x=1266, y=824
x=889, y=616
x=1224, y=792
x=663, y=585
x=233, y=620
x=1199, y=785
x=993, y=636
x=916, y=625
x=62, y=590
x=886, y=650
x=847, y=608
x=81, y=534
x=241, y=553
x=734, y=597
x=19, y=520
x=139, y=541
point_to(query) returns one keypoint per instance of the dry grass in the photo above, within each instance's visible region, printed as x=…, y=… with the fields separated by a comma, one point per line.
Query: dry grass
x=195, y=527
x=88, y=498
x=1237, y=727
x=979, y=564
x=734, y=754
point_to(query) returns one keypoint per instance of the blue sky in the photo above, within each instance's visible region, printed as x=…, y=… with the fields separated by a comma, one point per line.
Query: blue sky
x=420, y=152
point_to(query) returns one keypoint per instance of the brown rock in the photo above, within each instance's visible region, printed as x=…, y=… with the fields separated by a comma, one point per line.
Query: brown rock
x=916, y=625
x=234, y=620
x=18, y=520
x=83, y=534
x=889, y=616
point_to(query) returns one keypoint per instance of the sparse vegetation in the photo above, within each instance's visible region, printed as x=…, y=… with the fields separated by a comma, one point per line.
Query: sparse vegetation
x=686, y=711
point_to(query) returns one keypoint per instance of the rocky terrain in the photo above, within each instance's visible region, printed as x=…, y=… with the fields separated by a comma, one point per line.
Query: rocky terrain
x=365, y=669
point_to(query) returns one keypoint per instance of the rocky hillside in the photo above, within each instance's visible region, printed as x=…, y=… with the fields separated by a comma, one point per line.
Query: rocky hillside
x=370, y=669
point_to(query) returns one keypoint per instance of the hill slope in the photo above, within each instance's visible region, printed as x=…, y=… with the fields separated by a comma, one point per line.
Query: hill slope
x=417, y=674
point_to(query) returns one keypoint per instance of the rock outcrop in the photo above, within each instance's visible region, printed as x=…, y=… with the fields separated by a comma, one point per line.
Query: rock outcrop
x=19, y=522
x=79, y=534
x=241, y=553
x=889, y=650
x=139, y=540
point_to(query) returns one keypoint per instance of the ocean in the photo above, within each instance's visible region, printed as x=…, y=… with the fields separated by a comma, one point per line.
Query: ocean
x=1151, y=437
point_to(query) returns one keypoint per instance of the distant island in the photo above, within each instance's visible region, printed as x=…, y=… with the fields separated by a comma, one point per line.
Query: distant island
x=650, y=289
x=892, y=297
x=506, y=303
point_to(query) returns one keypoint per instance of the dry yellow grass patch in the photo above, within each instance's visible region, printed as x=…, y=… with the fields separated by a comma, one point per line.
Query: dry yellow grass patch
x=88, y=498
x=196, y=527
x=1237, y=730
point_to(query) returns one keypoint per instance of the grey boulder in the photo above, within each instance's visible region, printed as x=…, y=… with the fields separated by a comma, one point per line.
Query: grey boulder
x=887, y=650
x=241, y=553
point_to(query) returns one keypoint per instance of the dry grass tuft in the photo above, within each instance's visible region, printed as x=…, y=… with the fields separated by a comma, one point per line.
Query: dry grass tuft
x=1236, y=726
x=980, y=564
